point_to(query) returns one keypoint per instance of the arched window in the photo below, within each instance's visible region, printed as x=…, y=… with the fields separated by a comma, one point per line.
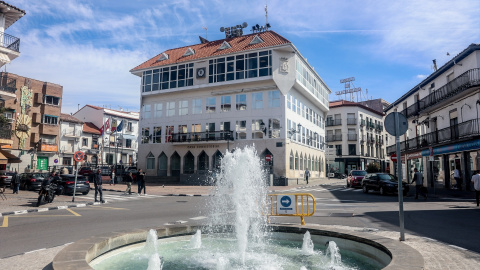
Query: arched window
x=301, y=162
x=150, y=161
x=162, y=165
x=309, y=163
x=203, y=161
x=175, y=164
x=188, y=163
x=217, y=158
x=296, y=161
x=292, y=161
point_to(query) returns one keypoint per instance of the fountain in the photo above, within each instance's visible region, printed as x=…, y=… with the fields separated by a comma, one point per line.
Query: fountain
x=237, y=236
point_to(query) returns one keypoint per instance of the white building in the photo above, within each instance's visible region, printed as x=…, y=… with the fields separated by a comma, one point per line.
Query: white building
x=356, y=137
x=198, y=101
x=70, y=139
x=442, y=114
x=114, y=147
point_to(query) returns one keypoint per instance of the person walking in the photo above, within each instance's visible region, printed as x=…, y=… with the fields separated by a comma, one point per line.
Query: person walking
x=457, y=174
x=15, y=182
x=476, y=186
x=418, y=179
x=129, y=180
x=141, y=182
x=112, y=176
x=307, y=174
x=97, y=181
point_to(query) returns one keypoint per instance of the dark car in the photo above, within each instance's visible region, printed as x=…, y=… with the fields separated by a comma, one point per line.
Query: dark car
x=105, y=170
x=67, y=184
x=85, y=171
x=6, y=178
x=382, y=182
x=355, y=177
x=32, y=181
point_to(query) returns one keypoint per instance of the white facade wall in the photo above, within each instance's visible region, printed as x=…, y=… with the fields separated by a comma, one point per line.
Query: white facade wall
x=70, y=141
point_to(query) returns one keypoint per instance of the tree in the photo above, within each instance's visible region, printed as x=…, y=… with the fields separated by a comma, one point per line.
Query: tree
x=373, y=167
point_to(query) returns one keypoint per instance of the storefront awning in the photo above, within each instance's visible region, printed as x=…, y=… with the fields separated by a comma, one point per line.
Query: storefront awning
x=10, y=158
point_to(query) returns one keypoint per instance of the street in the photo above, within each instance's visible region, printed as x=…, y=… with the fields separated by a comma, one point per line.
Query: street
x=448, y=220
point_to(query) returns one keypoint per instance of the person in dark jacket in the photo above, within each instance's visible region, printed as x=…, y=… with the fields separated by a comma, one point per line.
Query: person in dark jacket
x=129, y=180
x=141, y=182
x=15, y=183
x=97, y=181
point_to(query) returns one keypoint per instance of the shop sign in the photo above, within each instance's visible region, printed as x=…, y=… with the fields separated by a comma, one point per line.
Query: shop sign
x=459, y=147
x=48, y=148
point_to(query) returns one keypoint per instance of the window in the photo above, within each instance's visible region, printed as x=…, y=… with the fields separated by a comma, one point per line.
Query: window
x=241, y=102
x=226, y=103
x=85, y=142
x=239, y=67
x=129, y=126
x=338, y=150
x=168, y=77
x=301, y=162
x=352, y=149
x=146, y=111
x=294, y=104
x=182, y=130
x=210, y=130
x=168, y=134
x=241, y=130
x=210, y=106
x=157, y=135
x=158, y=110
x=50, y=119
x=292, y=161
x=109, y=159
x=51, y=100
x=128, y=143
x=258, y=129
x=274, y=128
x=150, y=161
x=145, y=135
x=197, y=106
x=196, y=128
x=171, y=108
x=257, y=100
x=225, y=126
x=296, y=161
x=274, y=99
x=183, y=107
x=289, y=101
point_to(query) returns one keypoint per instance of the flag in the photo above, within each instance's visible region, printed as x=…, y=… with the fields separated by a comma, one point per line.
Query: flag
x=101, y=130
x=120, y=126
x=107, y=125
x=114, y=125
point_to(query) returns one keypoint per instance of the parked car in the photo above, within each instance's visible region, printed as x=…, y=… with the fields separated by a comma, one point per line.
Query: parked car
x=32, y=181
x=6, y=178
x=67, y=184
x=355, y=177
x=85, y=171
x=382, y=182
x=105, y=170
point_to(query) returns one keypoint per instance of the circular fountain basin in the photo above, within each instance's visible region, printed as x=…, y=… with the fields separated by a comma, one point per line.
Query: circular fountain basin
x=358, y=249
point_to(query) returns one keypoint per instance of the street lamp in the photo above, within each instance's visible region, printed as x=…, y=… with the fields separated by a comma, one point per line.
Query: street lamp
x=293, y=131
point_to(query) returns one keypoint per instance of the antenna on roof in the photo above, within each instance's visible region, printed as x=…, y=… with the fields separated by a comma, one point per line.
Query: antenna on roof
x=206, y=31
x=266, y=13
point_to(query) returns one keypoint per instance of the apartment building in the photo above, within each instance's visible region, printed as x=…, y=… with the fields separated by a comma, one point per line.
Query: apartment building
x=442, y=113
x=199, y=101
x=355, y=137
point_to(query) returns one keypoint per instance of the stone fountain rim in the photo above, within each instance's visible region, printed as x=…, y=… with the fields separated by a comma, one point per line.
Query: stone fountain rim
x=79, y=254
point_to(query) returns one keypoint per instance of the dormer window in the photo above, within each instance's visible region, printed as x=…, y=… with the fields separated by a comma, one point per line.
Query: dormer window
x=256, y=39
x=162, y=57
x=224, y=46
x=189, y=52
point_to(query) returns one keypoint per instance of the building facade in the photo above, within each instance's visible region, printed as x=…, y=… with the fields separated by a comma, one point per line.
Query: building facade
x=443, y=124
x=199, y=101
x=355, y=137
x=114, y=147
x=70, y=138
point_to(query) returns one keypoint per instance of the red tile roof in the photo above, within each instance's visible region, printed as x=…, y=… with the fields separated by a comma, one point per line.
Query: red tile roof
x=89, y=127
x=210, y=49
x=69, y=118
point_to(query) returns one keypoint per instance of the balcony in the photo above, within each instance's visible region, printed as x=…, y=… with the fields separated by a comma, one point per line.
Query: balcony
x=362, y=122
x=9, y=42
x=460, y=132
x=334, y=138
x=8, y=88
x=352, y=137
x=71, y=133
x=351, y=121
x=467, y=80
x=378, y=128
x=6, y=134
x=332, y=122
x=202, y=136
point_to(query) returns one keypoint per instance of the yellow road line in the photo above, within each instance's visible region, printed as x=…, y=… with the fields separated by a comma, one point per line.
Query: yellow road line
x=26, y=216
x=5, y=222
x=73, y=212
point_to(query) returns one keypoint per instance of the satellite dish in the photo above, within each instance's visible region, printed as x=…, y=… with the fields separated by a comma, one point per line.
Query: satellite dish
x=257, y=27
x=244, y=24
x=222, y=29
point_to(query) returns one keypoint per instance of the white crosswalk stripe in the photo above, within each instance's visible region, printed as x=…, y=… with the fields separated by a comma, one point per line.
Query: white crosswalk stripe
x=120, y=197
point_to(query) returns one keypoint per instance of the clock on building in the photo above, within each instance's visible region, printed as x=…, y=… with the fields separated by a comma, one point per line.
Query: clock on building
x=200, y=72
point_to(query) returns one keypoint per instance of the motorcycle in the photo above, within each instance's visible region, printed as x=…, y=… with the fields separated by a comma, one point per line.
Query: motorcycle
x=47, y=193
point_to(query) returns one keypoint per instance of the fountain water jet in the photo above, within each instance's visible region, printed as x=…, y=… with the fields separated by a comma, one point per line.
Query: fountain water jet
x=196, y=240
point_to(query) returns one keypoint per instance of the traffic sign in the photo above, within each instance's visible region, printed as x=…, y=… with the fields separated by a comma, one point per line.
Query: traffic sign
x=55, y=160
x=268, y=158
x=78, y=156
x=393, y=157
x=390, y=124
x=285, y=204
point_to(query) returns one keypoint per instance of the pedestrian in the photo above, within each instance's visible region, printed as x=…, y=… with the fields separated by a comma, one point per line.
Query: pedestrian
x=476, y=186
x=97, y=181
x=141, y=182
x=307, y=174
x=418, y=179
x=457, y=174
x=112, y=176
x=129, y=183
x=15, y=182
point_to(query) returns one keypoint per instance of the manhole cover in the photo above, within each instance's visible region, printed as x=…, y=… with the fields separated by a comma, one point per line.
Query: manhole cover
x=341, y=214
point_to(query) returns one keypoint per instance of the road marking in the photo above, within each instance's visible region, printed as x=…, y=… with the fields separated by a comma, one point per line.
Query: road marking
x=5, y=222
x=198, y=218
x=35, y=250
x=181, y=221
x=73, y=212
x=21, y=212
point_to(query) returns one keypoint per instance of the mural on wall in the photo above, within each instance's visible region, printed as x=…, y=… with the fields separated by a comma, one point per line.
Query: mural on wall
x=24, y=122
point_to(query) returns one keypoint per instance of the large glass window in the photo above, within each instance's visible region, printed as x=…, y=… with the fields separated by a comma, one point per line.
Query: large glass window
x=145, y=135
x=167, y=77
x=150, y=161
x=171, y=108
x=210, y=106
x=197, y=106
x=50, y=119
x=241, y=130
x=257, y=100
x=168, y=134
x=157, y=135
x=196, y=129
x=158, y=110
x=147, y=110
x=258, y=129
x=51, y=100
x=292, y=161
x=274, y=99
x=241, y=102
x=183, y=107
x=274, y=128
x=242, y=66
x=226, y=103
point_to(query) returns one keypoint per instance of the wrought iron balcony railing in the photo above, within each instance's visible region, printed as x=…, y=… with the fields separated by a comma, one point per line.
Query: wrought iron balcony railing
x=462, y=131
x=334, y=138
x=9, y=42
x=352, y=137
x=8, y=84
x=202, y=136
x=334, y=122
x=5, y=131
x=467, y=80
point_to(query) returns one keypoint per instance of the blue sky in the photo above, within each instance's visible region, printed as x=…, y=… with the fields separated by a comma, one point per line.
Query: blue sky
x=89, y=46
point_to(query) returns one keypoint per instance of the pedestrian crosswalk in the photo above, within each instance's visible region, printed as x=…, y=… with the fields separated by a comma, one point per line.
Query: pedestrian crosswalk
x=118, y=197
x=321, y=189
